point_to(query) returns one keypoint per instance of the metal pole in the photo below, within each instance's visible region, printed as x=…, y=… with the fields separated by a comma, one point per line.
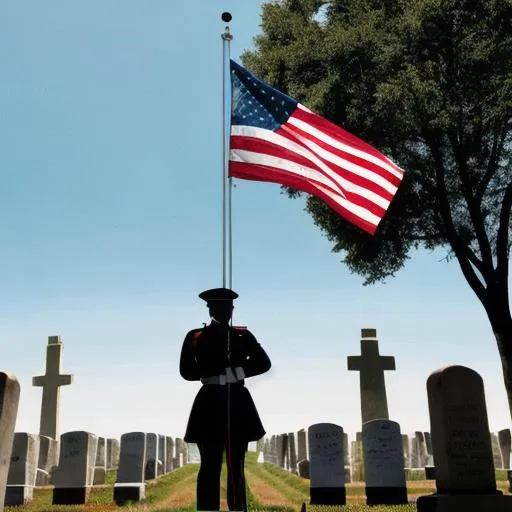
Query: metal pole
x=226, y=182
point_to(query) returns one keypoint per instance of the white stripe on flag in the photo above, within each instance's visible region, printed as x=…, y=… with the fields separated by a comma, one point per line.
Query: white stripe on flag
x=383, y=162
x=251, y=157
x=345, y=164
x=273, y=137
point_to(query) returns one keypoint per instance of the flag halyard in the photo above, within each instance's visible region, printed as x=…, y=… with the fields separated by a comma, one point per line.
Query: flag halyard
x=276, y=139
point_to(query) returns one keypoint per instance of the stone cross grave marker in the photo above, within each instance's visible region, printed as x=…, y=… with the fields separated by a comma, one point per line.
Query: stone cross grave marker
x=130, y=485
x=383, y=463
x=74, y=475
x=326, y=469
x=461, y=442
x=22, y=469
x=50, y=382
x=371, y=366
x=505, y=442
x=9, y=399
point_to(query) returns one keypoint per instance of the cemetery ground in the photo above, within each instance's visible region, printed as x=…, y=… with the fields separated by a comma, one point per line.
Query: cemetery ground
x=270, y=488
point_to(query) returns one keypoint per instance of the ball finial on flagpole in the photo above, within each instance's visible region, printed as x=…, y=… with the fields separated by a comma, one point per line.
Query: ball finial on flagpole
x=226, y=17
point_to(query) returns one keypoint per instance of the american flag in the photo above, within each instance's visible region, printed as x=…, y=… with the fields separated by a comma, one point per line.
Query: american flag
x=274, y=138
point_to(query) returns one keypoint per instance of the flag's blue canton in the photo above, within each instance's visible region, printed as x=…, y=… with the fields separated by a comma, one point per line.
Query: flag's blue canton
x=255, y=103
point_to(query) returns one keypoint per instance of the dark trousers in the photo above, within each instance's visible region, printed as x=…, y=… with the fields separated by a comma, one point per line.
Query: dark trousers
x=208, y=478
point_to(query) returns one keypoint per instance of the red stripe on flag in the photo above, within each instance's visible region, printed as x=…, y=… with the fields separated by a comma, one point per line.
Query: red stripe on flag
x=263, y=147
x=250, y=171
x=356, y=179
x=347, y=138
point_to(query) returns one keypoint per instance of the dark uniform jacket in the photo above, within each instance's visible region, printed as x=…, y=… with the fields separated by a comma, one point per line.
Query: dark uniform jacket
x=204, y=354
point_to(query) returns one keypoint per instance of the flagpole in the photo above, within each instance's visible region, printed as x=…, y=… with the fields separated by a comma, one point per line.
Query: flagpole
x=227, y=246
x=226, y=180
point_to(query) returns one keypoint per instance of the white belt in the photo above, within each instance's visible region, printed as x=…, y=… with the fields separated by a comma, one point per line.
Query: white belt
x=229, y=377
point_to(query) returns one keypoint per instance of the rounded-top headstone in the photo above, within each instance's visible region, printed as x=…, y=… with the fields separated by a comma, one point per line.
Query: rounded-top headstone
x=460, y=431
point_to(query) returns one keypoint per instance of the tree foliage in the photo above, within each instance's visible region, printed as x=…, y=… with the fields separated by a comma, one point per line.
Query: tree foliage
x=427, y=82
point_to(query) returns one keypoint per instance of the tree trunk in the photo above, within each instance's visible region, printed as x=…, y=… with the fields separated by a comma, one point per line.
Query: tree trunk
x=501, y=322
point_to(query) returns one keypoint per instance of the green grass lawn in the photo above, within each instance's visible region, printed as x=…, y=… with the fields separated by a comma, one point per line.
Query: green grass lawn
x=291, y=489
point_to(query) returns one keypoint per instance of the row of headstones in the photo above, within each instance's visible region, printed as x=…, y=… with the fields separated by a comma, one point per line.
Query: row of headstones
x=290, y=452
x=35, y=459
x=82, y=462
x=461, y=444
x=145, y=456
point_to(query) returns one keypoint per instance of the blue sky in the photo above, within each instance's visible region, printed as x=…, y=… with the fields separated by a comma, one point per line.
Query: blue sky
x=110, y=202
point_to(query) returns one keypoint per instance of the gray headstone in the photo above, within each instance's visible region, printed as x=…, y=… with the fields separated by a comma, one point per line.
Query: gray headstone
x=151, y=456
x=169, y=452
x=51, y=382
x=406, y=450
x=428, y=443
x=357, y=458
x=371, y=366
x=9, y=398
x=384, y=463
x=100, y=474
x=291, y=453
x=101, y=460
x=301, y=444
x=274, y=449
x=75, y=472
x=161, y=454
x=415, y=453
x=303, y=466
x=48, y=460
x=346, y=457
x=22, y=470
x=112, y=453
x=496, y=452
x=193, y=454
x=327, y=485
x=504, y=441
x=464, y=469
x=130, y=474
x=422, y=449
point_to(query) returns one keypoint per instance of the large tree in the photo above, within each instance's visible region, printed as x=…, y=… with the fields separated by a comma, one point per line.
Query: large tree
x=429, y=82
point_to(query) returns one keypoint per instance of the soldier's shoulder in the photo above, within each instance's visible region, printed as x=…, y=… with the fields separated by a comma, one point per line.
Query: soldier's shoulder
x=242, y=332
x=194, y=333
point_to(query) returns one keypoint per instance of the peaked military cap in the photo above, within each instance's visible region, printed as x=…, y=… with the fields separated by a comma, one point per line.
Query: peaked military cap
x=217, y=294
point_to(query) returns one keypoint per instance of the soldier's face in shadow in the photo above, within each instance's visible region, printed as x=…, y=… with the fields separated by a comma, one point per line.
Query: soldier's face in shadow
x=221, y=311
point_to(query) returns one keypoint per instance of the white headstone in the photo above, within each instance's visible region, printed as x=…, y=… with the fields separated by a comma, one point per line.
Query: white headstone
x=383, y=463
x=326, y=466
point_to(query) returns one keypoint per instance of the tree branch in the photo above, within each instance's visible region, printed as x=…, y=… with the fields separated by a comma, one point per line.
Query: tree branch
x=459, y=247
x=497, y=145
x=502, y=241
x=474, y=211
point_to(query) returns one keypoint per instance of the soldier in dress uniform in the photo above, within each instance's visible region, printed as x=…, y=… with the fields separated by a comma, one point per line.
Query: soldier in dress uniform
x=221, y=357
